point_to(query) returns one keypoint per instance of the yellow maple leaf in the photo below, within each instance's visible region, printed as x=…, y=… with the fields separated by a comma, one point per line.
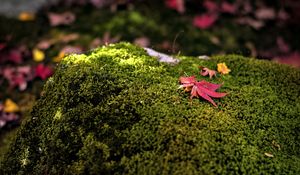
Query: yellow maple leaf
x=26, y=16
x=59, y=57
x=223, y=69
x=38, y=55
x=10, y=106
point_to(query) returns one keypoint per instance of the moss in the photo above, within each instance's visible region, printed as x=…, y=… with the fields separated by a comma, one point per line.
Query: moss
x=115, y=110
x=6, y=138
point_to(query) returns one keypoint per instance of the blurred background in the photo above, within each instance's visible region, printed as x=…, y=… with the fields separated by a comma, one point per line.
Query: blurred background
x=36, y=34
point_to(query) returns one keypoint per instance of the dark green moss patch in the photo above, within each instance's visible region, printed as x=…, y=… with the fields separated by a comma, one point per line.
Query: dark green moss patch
x=116, y=110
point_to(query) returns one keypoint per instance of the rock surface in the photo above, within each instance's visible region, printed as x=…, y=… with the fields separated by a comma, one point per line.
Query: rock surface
x=116, y=110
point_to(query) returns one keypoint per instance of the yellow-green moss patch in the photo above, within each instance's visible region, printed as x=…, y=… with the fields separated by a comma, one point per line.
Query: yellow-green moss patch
x=117, y=110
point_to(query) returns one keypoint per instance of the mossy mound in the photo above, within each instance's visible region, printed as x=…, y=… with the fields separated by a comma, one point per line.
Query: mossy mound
x=117, y=110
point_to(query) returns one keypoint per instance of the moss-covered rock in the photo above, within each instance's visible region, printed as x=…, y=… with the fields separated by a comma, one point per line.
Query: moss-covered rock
x=117, y=110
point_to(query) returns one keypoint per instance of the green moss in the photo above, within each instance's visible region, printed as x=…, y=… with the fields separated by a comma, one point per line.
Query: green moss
x=116, y=110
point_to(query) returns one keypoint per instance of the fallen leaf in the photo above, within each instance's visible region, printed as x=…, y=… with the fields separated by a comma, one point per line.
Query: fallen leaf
x=2, y=123
x=57, y=19
x=205, y=71
x=25, y=70
x=43, y=71
x=13, y=55
x=202, y=89
x=59, y=38
x=256, y=24
x=283, y=15
x=99, y=3
x=205, y=21
x=7, y=117
x=177, y=5
x=210, y=6
x=68, y=37
x=26, y=16
x=18, y=76
x=265, y=13
x=246, y=6
x=228, y=8
x=283, y=45
x=187, y=83
x=59, y=57
x=10, y=106
x=2, y=46
x=38, y=55
x=223, y=69
x=20, y=81
x=292, y=59
x=44, y=44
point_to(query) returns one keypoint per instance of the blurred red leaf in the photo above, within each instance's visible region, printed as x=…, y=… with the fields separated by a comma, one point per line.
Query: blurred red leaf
x=292, y=59
x=211, y=6
x=44, y=44
x=176, y=5
x=2, y=46
x=18, y=76
x=283, y=15
x=205, y=21
x=282, y=45
x=68, y=37
x=265, y=13
x=256, y=24
x=60, y=38
x=13, y=55
x=7, y=117
x=43, y=71
x=99, y=3
x=57, y=19
x=228, y=8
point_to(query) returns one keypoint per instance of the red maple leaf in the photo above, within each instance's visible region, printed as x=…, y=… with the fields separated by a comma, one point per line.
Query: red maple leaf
x=205, y=71
x=43, y=71
x=205, y=21
x=202, y=89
